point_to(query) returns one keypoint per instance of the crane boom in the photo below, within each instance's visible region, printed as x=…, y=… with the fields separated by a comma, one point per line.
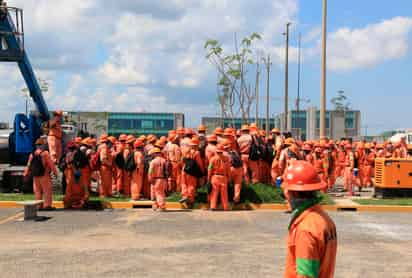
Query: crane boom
x=12, y=50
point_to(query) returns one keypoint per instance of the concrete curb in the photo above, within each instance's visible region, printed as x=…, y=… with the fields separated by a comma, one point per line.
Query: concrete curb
x=274, y=207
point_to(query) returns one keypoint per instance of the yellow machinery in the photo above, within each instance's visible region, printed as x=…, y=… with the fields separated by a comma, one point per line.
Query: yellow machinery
x=393, y=177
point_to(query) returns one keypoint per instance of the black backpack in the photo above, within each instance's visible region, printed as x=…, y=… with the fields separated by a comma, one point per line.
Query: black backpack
x=236, y=160
x=37, y=168
x=80, y=160
x=130, y=163
x=146, y=161
x=192, y=168
x=255, y=151
x=119, y=161
x=270, y=154
x=167, y=170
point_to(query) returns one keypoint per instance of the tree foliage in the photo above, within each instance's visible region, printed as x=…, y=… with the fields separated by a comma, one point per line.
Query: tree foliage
x=235, y=90
x=341, y=102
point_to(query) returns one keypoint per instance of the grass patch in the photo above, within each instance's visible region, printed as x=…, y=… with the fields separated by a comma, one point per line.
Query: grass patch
x=385, y=202
x=254, y=193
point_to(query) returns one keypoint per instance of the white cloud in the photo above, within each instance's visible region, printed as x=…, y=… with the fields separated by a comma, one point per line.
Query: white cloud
x=355, y=48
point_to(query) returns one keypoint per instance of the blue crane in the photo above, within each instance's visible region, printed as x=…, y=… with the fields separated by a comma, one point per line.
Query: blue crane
x=26, y=128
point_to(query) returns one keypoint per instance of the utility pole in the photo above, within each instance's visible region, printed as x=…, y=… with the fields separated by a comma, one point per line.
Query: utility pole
x=298, y=97
x=268, y=64
x=286, y=76
x=323, y=76
x=257, y=93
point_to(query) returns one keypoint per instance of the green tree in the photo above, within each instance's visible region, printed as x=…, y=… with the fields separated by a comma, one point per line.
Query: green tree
x=234, y=89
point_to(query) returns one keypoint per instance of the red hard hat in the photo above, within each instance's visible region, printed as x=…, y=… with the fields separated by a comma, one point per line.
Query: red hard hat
x=302, y=176
x=138, y=143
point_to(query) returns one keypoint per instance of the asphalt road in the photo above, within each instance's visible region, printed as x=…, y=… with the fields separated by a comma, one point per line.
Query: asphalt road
x=142, y=243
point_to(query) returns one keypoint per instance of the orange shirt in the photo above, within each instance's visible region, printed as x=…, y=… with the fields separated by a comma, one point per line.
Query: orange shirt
x=106, y=157
x=312, y=245
x=157, y=168
x=55, y=128
x=219, y=165
x=46, y=160
x=244, y=142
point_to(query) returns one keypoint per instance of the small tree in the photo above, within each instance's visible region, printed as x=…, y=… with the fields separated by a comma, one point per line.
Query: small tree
x=235, y=90
x=340, y=102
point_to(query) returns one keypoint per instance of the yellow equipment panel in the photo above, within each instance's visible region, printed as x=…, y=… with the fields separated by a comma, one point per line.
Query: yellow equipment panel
x=393, y=173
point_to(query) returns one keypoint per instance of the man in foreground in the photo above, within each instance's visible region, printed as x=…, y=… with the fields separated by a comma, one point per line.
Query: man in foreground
x=312, y=240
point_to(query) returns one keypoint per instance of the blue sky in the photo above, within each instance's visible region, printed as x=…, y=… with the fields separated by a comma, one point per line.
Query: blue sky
x=148, y=55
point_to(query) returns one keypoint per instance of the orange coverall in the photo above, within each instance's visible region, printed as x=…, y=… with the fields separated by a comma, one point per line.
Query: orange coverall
x=174, y=155
x=77, y=193
x=54, y=139
x=137, y=175
x=158, y=181
x=236, y=176
x=245, y=142
x=312, y=245
x=218, y=175
x=348, y=172
x=42, y=186
x=189, y=182
x=106, y=174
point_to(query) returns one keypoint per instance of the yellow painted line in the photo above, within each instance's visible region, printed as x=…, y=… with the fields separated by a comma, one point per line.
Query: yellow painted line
x=11, y=218
x=276, y=207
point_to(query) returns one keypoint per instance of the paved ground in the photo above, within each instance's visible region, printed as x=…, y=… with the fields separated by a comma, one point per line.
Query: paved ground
x=142, y=243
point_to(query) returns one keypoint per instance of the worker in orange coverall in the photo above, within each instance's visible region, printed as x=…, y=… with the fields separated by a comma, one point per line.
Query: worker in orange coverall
x=218, y=176
x=42, y=182
x=245, y=142
x=290, y=153
x=236, y=169
x=312, y=241
x=106, y=166
x=174, y=155
x=189, y=182
x=368, y=165
x=348, y=171
x=157, y=179
x=77, y=189
x=138, y=173
x=54, y=139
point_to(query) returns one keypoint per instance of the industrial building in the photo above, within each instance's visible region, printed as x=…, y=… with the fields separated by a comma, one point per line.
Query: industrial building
x=97, y=123
x=212, y=122
x=305, y=124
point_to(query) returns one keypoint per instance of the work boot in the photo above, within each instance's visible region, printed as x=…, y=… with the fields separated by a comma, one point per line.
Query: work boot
x=183, y=200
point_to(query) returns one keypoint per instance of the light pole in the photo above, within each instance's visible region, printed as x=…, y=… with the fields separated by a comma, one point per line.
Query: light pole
x=268, y=64
x=286, y=75
x=323, y=74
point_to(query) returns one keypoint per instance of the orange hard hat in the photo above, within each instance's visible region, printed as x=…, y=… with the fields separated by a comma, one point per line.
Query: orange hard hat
x=379, y=146
x=188, y=131
x=212, y=138
x=123, y=137
x=220, y=148
x=276, y=131
x=142, y=138
x=194, y=142
x=180, y=131
x=262, y=133
x=302, y=176
x=112, y=139
x=58, y=113
x=219, y=131
x=85, y=141
x=307, y=147
x=228, y=132
x=138, y=143
x=245, y=128
x=289, y=141
x=151, y=138
x=226, y=142
x=103, y=138
x=253, y=125
x=171, y=132
x=159, y=144
x=368, y=146
x=201, y=128
x=130, y=139
x=40, y=141
x=253, y=128
x=154, y=151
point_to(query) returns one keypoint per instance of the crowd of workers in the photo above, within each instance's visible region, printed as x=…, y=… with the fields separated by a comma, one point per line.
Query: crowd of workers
x=148, y=167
